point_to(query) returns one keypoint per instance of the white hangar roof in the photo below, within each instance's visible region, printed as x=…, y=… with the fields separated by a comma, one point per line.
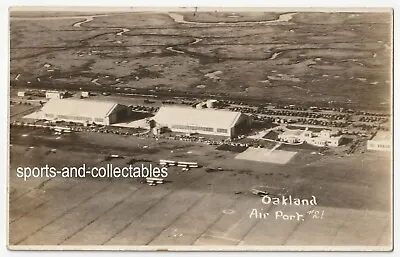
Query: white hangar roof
x=78, y=107
x=197, y=117
x=382, y=135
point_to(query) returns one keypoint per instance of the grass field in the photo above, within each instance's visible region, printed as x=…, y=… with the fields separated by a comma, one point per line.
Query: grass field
x=310, y=57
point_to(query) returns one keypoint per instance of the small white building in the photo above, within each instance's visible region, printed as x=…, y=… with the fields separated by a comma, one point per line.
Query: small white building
x=323, y=138
x=327, y=138
x=21, y=93
x=211, y=103
x=292, y=136
x=55, y=95
x=207, y=104
x=85, y=94
x=380, y=142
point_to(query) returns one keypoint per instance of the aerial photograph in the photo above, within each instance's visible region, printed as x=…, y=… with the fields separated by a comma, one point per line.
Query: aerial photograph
x=199, y=128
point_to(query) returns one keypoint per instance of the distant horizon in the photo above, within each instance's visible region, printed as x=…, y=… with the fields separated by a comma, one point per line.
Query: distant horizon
x=189, y=8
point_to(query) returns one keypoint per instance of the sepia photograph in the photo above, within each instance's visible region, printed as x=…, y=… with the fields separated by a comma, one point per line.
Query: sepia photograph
x=200, y=128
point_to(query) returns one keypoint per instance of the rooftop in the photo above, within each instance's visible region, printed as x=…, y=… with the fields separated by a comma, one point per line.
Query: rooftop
x=196, y=117
x=382, y=135
x=55, y=91
x=79, y=107
x=294, y=132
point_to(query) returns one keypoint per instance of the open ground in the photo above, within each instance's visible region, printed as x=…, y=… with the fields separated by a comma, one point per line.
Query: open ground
x=335, y=59
x=197, y=207
x=302, y=56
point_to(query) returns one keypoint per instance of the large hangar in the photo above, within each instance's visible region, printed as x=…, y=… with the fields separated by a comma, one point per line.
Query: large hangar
x=203, y=121
x=84, y=111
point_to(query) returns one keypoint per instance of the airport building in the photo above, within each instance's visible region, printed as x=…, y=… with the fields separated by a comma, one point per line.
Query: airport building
x=292, y=136
x=326, y=138
x=323, y=138
x=202, y=121
x=85, y=94
x=55, y=94
x=380, y=142
x=84, y=111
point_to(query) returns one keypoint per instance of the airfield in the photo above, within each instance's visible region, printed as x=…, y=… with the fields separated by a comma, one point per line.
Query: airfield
x=306, y=59
x=207, y=206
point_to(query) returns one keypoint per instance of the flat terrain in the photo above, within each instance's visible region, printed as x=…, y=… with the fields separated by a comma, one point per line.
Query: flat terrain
x=315, y=59
x=340, y=59
x=197, y=207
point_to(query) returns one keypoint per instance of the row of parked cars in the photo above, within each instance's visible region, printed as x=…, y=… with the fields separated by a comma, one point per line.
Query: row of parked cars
x=379, y=119
x=313, y=115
